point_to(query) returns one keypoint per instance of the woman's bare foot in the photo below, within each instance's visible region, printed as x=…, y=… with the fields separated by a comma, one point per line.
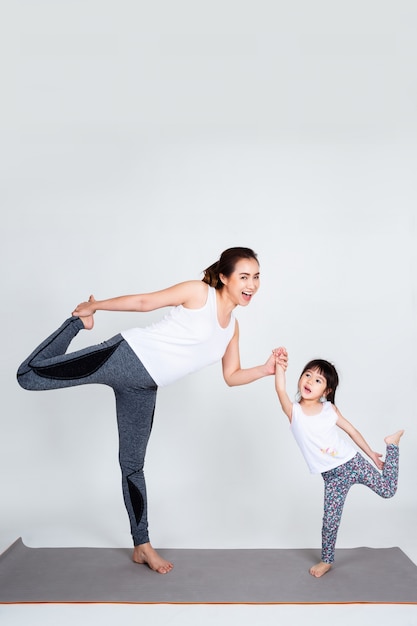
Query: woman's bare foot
x=145, y=554
x=395, y=438
x=320, y=569
x=88, y=322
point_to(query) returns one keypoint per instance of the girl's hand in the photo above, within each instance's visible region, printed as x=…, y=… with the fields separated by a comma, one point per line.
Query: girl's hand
x=85, y=309
x=377, y=459
x=281, y=357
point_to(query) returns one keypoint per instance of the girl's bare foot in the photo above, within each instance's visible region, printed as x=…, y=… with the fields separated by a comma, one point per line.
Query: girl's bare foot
x=146, y=554
x=395, y=438
x=320, y=569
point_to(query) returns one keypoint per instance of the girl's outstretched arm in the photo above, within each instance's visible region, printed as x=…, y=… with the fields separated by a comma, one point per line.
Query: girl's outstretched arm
x=192, y=294
x=357, y=438
x=281, y=361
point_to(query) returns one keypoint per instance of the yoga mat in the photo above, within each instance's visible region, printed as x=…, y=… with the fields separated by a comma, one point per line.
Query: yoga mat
x=107, y=575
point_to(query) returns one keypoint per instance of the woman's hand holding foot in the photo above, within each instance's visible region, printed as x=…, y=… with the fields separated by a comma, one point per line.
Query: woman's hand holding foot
x=85, y=311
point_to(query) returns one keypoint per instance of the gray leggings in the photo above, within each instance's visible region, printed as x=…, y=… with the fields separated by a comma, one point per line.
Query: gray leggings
x=111, y=363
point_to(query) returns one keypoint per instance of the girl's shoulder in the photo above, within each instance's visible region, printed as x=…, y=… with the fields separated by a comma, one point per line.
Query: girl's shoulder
x=331, y=407
x=328, y=406
x=296, y=409
x=331, y=411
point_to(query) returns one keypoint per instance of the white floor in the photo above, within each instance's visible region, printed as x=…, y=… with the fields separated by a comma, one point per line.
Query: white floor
x=207, y=615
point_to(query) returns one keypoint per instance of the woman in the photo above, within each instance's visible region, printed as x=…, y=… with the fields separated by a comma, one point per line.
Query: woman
x=199, y=330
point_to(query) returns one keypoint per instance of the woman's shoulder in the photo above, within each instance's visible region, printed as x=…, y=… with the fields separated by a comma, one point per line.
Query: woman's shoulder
x=195, y=293
x=191, y=294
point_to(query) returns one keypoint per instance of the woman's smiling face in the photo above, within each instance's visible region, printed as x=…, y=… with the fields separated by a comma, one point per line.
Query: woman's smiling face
x=243, y=282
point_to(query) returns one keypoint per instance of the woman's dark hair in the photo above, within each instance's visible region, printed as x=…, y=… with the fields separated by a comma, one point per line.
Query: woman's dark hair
x=328, y=371
x=226, y=265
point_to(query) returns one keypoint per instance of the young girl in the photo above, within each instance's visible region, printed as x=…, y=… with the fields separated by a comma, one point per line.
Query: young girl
x=199, y=330
x=315, y=422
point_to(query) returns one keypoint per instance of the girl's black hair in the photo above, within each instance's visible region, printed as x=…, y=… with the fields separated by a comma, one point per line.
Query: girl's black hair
x=226, y=265
x=328, y=371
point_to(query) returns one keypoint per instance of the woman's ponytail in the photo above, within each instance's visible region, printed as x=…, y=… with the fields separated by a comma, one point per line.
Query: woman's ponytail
x=226, y=265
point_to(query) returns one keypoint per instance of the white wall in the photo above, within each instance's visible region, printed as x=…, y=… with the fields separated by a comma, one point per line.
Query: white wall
x=138, y=141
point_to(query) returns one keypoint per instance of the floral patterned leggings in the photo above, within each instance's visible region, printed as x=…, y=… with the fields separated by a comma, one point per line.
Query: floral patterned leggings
x=339, y=480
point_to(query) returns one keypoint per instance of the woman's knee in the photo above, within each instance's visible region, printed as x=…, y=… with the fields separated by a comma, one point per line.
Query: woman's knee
x=24, y=380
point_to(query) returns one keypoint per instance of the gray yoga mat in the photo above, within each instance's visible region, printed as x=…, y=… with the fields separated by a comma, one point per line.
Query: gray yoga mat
x=101, y=575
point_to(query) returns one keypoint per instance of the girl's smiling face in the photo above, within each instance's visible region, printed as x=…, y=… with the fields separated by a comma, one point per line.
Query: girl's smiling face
x=312, y=385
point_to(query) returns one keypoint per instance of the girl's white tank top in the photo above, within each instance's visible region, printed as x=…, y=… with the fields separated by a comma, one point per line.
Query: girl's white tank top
x=320, y=440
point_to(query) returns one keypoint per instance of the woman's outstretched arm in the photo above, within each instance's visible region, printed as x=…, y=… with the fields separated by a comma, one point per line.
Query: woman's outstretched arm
x=233, y=373
x=192, y=294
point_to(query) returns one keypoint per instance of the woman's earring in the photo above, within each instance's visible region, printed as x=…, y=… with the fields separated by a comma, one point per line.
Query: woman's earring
x=323, y=399
x=298, y=396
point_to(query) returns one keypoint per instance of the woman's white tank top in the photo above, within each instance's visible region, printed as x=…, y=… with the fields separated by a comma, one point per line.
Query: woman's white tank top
x=184, y=341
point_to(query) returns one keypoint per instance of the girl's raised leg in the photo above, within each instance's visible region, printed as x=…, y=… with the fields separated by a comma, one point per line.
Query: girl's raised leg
x=358, y=470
